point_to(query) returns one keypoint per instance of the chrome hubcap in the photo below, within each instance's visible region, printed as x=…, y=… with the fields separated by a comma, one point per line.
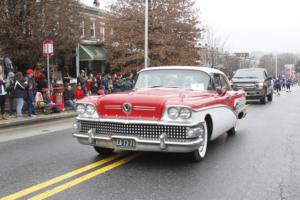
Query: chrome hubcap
x=203, y=146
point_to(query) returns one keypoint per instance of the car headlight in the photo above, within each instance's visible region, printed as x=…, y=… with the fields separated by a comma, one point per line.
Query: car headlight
x=80, y=109
x=90, y=109
x=185, y=113
x=260, y=84
x=173, y=113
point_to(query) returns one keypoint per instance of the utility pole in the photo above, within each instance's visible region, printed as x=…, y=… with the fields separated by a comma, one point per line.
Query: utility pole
x=276, y=69
x=146, y=32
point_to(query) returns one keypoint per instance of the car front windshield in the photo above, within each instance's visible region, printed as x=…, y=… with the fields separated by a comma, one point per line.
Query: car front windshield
x=173, y=78
x=249, y=73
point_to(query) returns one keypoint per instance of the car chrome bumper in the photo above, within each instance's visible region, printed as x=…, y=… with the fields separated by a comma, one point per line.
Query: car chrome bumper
x=255, y=94
x=160, y=145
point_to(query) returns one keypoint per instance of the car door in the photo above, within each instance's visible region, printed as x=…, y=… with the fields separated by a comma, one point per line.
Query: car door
x=223, y=115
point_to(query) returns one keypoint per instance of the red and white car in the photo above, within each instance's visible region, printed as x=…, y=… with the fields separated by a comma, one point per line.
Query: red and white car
x=171, y=109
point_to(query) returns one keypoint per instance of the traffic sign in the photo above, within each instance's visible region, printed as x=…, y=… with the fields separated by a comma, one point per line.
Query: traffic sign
x=48, y=48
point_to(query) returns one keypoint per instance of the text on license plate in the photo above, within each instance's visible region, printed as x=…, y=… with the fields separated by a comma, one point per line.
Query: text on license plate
x=125, y=143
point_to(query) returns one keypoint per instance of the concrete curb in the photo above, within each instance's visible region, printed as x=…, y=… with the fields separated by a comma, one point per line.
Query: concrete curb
x=38, y=119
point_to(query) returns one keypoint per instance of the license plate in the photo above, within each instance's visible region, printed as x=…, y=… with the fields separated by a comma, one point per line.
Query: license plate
x=125, y=143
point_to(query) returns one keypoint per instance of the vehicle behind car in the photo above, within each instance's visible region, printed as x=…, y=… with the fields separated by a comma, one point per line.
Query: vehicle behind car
x=255, y=82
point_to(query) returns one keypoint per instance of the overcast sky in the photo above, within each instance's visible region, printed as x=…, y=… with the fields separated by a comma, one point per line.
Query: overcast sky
x=252, y=25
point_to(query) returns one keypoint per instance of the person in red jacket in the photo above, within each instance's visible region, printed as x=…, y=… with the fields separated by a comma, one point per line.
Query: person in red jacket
x=79, y=94
x=89, y=84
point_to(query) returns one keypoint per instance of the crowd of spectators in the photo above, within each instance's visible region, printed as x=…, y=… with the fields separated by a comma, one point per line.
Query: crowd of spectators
x=31, y=93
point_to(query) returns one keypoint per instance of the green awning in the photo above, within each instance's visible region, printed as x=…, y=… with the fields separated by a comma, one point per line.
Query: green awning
x=90, y=52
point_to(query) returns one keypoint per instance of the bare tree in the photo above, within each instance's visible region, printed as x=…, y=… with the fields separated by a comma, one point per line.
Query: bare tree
x=213, y=45
x=173, y=33
x=26, y=23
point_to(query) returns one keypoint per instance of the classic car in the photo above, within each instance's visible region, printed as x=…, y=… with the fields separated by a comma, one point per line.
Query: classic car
x=170, y=109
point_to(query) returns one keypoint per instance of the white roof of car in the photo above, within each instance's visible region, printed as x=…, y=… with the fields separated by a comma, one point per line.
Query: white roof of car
x=204, y=69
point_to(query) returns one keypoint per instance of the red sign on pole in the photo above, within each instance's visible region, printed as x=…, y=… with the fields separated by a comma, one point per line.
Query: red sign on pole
x=48, y=48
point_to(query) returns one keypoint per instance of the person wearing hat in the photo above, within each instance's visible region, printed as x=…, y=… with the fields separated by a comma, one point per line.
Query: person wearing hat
x=29, y=78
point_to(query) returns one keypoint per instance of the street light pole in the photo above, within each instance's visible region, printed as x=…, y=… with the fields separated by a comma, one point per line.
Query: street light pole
x=146, y=32
x=276, y=70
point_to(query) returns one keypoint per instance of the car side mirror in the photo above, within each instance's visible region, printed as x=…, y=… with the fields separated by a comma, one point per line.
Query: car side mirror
x=221, y=91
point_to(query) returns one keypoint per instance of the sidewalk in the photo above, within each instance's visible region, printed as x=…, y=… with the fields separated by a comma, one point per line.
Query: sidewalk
x=39, y=118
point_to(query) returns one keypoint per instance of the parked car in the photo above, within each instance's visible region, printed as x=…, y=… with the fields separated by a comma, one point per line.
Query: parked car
x=170, y=109
x=255, y=82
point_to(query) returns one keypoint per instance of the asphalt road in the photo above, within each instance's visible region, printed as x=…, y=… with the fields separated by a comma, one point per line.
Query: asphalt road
x=261, y=162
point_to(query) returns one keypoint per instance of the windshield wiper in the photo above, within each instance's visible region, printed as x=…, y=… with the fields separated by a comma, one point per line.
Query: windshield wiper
x=251, y=77
x=238, y=77
x=156, y=86
x=172, y=87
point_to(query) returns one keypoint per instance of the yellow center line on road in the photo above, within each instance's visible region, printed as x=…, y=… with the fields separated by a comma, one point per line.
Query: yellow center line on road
x=83, y=178
x=55, y=180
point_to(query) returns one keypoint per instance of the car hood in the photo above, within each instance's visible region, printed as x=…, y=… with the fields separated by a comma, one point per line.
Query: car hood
x=149, y=104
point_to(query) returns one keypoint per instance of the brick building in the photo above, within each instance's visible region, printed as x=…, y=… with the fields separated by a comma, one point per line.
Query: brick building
x=91, y=55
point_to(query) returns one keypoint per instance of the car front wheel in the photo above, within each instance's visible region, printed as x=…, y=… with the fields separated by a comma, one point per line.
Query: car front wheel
x=270, y=97
x=103, y=151
x=200, y=153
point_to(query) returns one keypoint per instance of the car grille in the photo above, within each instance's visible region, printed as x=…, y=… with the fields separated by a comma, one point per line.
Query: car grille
x=245, y=86
x=137, y=130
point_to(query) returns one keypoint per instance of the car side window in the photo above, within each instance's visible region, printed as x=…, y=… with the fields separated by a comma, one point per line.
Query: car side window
x=211, y=85
x=217, y=80
x=224, y=83
x=220, y=81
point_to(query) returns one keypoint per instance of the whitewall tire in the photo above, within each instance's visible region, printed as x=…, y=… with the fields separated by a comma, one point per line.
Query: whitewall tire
x=200, y=153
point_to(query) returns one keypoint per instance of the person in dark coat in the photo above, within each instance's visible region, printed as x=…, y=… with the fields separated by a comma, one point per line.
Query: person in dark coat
x=29, y=78
x=69, y=97
x=19, y=92
x=30, y=100
x=288, y=85
x=81, y=79
x=42, y=84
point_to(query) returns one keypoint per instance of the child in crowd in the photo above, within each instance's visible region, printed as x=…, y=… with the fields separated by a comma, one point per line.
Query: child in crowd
x=79, y=94
x=49, y=105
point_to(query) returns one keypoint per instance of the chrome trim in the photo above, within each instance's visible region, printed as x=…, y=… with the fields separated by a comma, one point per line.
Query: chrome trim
x=144, y=141
x=113, y=107
x=142, y=144
x=141, y=108
x=128, y=121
